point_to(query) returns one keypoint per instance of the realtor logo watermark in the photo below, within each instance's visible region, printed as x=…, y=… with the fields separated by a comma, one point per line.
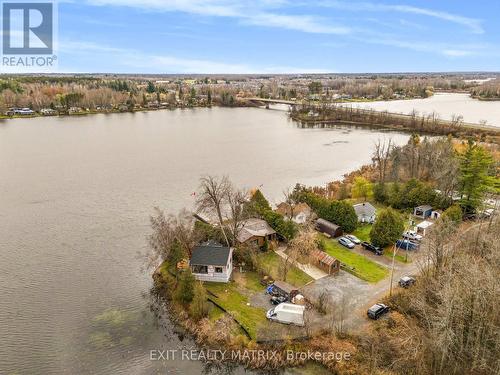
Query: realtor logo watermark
x=29, y=36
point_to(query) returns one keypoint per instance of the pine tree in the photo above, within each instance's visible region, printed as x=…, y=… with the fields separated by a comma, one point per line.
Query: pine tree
x=475, y=180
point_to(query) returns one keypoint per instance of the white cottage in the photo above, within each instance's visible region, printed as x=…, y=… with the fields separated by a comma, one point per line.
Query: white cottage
x=365, y=212
x=212, y=262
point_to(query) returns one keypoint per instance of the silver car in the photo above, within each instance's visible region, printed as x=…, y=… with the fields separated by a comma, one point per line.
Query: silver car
x=353, y=239
x=344, y=241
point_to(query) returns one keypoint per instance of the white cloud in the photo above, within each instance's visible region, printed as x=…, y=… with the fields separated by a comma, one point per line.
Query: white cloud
x=258, y=12
x=135, y=60
x=474, y=25
x=457, y=53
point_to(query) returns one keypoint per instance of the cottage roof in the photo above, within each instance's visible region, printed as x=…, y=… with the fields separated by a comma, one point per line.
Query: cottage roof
x=364, y=209
x=254, y=228
x=323, y=257
x=424, y=207
x=210, y=254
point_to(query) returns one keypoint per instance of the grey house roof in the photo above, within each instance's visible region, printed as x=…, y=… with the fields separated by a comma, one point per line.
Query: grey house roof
x=364, y=209
x=424, y=208
x=254, y=228
x=210, y=255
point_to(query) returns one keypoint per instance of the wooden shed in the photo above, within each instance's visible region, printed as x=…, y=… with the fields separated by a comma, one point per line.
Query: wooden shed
x=328, y=228
x=325, y=262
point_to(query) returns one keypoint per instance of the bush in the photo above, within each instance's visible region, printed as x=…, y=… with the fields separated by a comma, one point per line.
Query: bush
x=453, y=213
x=285, y=228
x=380, y=193
x=338, y=212
x=185, y=288
x=199, y=305
x=387, y=229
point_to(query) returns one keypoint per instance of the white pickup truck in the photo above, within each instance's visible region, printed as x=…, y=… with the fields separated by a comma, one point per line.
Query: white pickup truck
x=287, y=313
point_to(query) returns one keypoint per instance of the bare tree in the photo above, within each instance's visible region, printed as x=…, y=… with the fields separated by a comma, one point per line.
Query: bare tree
x=290, y=201
x=381, y=158
x=211, y=200
x=236, y=201
x=166, y=231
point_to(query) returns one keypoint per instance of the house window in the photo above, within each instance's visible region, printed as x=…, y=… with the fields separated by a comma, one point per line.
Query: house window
x=200, y=269
x=218, y=269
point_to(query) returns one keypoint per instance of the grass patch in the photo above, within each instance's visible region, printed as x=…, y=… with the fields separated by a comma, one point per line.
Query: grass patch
x=250, y=280
x=214, y=313
x=270, y=262
x=364, y=268
x=363, y=232
x=400, y=255
x=236, y=304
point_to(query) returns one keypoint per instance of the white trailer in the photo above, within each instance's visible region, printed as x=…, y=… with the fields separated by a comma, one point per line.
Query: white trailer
x=287, y=313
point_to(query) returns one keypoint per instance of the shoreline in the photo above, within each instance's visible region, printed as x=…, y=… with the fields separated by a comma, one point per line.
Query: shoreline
x=429, y=125
x=323, y=349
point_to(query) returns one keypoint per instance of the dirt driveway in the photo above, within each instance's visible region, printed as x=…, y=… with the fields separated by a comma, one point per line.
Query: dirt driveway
x=353, y=295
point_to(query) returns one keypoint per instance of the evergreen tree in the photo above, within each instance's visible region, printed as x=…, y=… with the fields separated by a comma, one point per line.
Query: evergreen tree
x=388, y=228
x=474, y=180
x=151, y=87
x=199, y=306
x=184, y=292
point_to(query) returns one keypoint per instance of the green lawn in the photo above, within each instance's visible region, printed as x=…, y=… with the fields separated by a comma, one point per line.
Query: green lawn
x=236, y=304
x=400, y=255
x=363, y=232
x=364, y=268
x=271, y=262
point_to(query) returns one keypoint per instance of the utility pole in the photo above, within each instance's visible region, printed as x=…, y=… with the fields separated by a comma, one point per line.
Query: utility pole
x=394, y=251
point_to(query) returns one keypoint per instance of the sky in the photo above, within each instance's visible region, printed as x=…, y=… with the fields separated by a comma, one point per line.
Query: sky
x=280, y=36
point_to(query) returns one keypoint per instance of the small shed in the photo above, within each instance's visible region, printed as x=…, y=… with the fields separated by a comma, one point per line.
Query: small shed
x=328, y=228
x=423, y=227
x=325, y=262
x=436, y=214
x=423, y=211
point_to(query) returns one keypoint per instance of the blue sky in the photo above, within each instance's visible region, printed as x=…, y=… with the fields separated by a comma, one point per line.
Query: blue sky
x=265, y=36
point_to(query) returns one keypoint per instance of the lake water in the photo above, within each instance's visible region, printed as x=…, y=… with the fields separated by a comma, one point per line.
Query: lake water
x=75, y=196
x=445, y=105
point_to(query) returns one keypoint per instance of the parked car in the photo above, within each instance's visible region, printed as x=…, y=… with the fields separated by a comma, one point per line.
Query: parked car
x=377, y=310
x=407, y=245
x=344, y=241
x=353, y=239
x=374, y=249
x=287, y=313
x=276, y=300
x=406, y=281
x=412, y=235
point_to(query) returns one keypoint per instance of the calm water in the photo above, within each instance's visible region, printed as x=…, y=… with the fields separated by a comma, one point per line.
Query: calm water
x=446, y=105
x=75, y=196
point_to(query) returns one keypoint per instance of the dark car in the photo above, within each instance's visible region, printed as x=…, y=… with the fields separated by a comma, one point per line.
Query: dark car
x=377, y=310
x=276, y=300
x=407, y=245
x=406, y=281
x=374, y=249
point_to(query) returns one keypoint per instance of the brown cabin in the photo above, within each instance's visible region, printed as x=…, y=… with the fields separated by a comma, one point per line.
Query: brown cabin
x=325, y=262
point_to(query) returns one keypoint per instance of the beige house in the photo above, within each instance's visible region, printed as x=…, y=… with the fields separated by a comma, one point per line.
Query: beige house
x=300, y=215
